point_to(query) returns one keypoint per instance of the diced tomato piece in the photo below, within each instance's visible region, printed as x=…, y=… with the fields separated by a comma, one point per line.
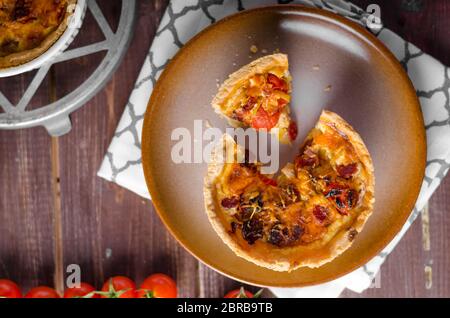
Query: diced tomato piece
x=347, y=171
x=343, y=197
x=268, y=181
x=336, y=186
x=277, y=83
x=308, y=158
x=263, y=120
x=305, y=161
x=320, y=212
x=292, y=130
x=229, y=203
x=251, y=102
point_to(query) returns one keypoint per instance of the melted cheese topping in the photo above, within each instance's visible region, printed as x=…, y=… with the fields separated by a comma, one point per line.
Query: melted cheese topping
x=25, y=24
x=308, y=204
x=243, y=104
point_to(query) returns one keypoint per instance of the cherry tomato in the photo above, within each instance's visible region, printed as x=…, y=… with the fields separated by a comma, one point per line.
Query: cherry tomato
x=9, y=289
x=129, y=294
x=42, y=292
x=158, y=286
x=263, y=120
x=118, y=287
x=241, y=293
x=85, y=289
x=293, y=130
x=143, y=293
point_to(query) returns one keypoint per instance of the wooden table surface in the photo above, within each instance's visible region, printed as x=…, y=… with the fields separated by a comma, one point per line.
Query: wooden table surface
x=55, y=211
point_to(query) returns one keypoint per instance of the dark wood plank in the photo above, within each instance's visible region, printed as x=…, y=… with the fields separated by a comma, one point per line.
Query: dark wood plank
x=425, y=23
x=108, y=230
x=26, y=208
x=213, y=284
x=438, y=258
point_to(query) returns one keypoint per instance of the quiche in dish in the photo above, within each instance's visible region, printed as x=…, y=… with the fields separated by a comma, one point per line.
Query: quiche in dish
x=309, y=214
x=258, y=96
x=29, y=27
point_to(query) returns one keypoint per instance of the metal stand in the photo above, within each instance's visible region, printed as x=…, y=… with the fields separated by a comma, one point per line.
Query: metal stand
x=55, y=116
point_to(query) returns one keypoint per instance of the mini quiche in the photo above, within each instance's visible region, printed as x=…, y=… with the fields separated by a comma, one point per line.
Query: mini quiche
x=29, y=27
x=306, y=217
x=258, y=96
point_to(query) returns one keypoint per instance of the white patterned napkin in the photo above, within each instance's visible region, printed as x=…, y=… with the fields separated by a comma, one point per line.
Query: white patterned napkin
x=184, y=19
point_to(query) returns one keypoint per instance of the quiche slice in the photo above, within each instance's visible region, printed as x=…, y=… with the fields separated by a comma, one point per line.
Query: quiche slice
x=29, y=27
x=258, y=96
x=307, y=216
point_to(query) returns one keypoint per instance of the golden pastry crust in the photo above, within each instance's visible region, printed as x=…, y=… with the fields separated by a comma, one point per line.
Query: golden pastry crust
x=292, y=240
x=232, y=95
x=28, y=28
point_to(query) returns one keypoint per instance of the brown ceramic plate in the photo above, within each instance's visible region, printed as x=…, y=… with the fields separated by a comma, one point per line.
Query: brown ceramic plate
x=366, y=86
